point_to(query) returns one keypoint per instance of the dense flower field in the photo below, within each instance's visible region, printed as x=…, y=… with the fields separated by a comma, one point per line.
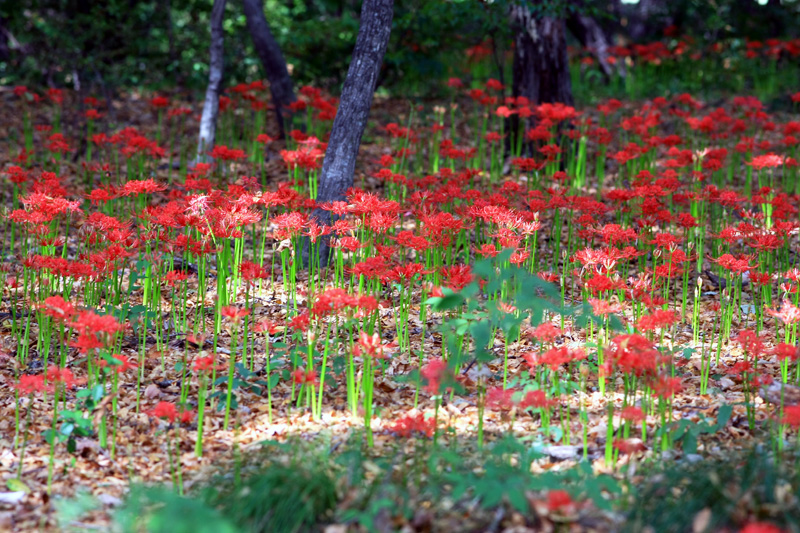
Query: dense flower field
x=615, y=282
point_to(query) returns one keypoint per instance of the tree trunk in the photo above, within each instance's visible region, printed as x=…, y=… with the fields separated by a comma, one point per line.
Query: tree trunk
x=592, y=37
x=356, y=99
x=645, y=20
x=4, y=48
x=541, y=71
x=208, y=123
x=269, y=52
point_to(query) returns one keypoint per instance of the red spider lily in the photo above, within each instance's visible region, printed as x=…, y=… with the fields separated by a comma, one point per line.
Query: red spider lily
x=632, y=414
x=599, y=284
x=629, y=446
x=123, y=364
x=556, y=112
x=306, y=158
x=303, y=377
x=766, y=161
x=634, y=354
x=605, y=259
x=494, y=85
x=179, y=112
x=751, y=343
x=300, y=322
x=332, y=301
x=788, y=313
x=234, y=313
x=500, y=399
x=666, y=387
x=227, y=154
x=57, y=143
x=504, y=112
x=791, y=416
x=369, y=346
x=290, y=225
x=314, y=231
x=134, y=187
x=267, y=326
x=602, y=307
x=666, y=240
x=740, y=368
x=760, y=279
x=786, y=351
x=30, y=384
x=406, y=273
x=559, y=501
x=736, y=266
x=250, y=271
x=616, y=234
x=456, y=277
x=61, y=376
x=434, y=372
x=409, y=425
x=761, y=527
x=58, y=308
x=175, y=276
x=546, y=332
x=94, y=330
x=159, y=102
x=555, y=357
x=536, y=399
x=164, y=410
x=539, y=133
x=205, y=364
x=657, y=319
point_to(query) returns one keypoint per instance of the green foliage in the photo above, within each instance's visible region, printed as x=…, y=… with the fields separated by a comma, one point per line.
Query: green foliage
x=161, y=44
x=481, y=315
x=688, y=431
x=72, y=509
x=158, y=509
x=505, y=476
x=278, y=496
x=77, y=423
x=736, y=489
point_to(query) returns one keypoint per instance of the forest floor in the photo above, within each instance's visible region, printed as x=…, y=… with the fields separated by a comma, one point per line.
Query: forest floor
x=140, y=452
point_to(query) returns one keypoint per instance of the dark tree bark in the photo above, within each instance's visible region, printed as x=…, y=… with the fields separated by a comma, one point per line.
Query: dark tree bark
x=541, y=70
x=4, y=48
x=269, y=52
x=208, y=123
x=354, y=105
x=645, y=19
x=591, y=36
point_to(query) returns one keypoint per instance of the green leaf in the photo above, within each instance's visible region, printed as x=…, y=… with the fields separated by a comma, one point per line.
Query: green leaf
x=723, y=415
x=66, y=429
x=450, y=301
x=244, y=371
x=97, y=393
x=16, y=485
x=518, y=500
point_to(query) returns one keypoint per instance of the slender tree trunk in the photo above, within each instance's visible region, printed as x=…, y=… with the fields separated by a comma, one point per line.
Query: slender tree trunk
x=269, y=52
x=4, y=48
x=591, y=36
x=208, y=123
x=540, y=71
x=354, y=105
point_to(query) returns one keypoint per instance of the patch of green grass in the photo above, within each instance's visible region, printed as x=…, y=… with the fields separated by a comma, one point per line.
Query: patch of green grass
x=739, y=488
